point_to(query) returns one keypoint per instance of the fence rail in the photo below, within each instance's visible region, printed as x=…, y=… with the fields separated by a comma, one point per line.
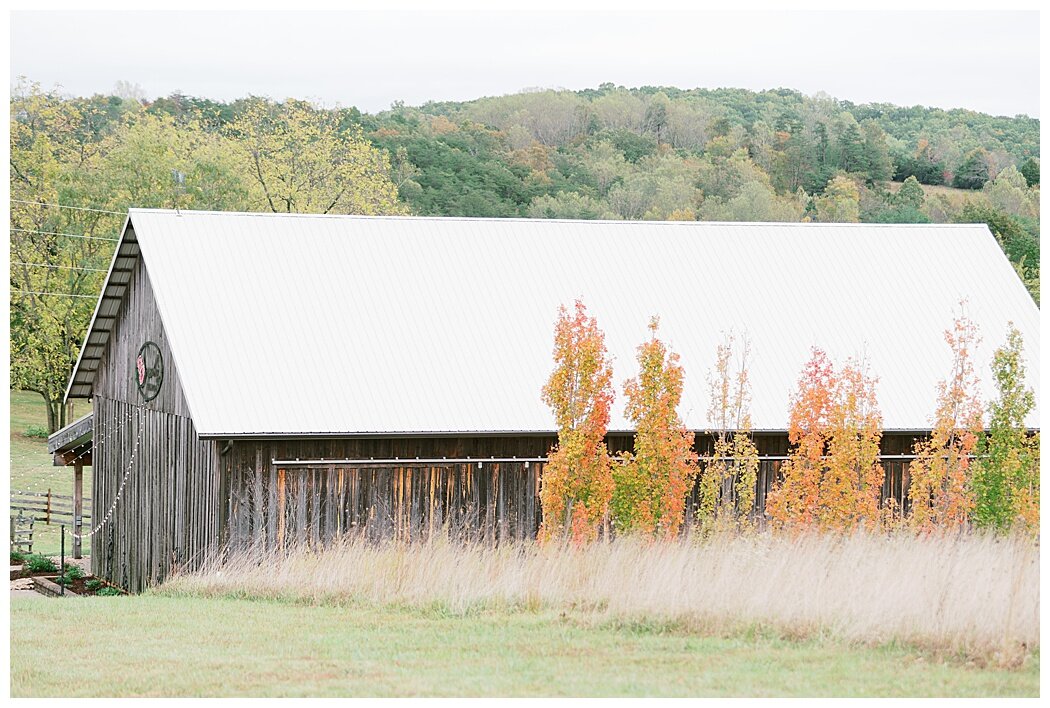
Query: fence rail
x=22, y=533
x=47, y=507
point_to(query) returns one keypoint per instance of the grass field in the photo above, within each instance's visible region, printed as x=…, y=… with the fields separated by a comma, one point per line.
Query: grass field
x=962, y=595
x=951, y=192
x=176, y=646
x=31, y=468
x=955, y=199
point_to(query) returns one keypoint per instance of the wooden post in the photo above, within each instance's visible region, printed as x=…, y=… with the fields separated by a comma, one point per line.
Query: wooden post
x=280, y=508
x=47, y=514
x=78, y=507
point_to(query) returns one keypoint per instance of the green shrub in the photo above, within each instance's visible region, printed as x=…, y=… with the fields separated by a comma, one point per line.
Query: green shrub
x=36, y=563
x=70, y=574
x=36, y=431
x=94, y=585
x=17, y=557
x=108, y=592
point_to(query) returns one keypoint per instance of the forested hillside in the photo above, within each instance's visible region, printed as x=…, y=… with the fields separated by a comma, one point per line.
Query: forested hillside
x=610, y=152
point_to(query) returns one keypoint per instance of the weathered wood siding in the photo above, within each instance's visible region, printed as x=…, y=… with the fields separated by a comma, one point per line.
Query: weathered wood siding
x=168, y=512
x=270, y=506
x=273, y=506
x=148, y=453
x=138, y=321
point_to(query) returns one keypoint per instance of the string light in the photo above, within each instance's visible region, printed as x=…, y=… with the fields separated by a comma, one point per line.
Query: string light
x=34, y=454
x=96, y=443
x=120, y=492
x=94, y=446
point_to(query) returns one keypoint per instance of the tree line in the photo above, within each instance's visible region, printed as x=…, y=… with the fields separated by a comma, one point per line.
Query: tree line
x=610, y=152
x=964, y=473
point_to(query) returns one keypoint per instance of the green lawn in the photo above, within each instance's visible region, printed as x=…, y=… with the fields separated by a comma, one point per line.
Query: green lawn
x=175, y=646
x=31, y=468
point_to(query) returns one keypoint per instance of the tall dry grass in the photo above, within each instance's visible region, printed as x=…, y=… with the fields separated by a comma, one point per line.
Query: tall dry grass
x=972, y=594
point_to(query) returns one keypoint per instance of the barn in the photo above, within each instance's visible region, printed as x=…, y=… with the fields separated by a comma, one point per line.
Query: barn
x=263, y=379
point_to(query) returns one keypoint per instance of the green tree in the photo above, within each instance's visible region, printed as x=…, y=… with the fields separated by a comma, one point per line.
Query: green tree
x=656, y=188
x=1006, y=476
x=840, y=202
x=1030, y=170
x=973, y=172
x=755, y=202
x=566, y=205
x=921, y=164
x=852, y=152
x=657, y=116
x=910, y=195
x=878, y=165
x=606, y=163
x=1009, y=193
x=903, y=207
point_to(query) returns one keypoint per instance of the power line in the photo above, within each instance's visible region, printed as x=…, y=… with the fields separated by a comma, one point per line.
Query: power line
x=53, y=233
x=51, y=265
x=47, y=292
x=67, y=206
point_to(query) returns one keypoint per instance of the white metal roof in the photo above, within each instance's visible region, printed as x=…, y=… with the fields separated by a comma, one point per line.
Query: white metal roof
x=297, y=324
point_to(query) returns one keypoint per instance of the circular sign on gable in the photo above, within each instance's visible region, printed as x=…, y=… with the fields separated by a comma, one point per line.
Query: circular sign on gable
x=149, y=371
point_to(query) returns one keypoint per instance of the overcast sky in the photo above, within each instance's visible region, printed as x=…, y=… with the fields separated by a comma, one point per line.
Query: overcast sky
x=982, y=61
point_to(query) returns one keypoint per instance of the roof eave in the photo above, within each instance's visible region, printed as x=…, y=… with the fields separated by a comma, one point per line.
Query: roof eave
x=290, y=435
x=94, y=318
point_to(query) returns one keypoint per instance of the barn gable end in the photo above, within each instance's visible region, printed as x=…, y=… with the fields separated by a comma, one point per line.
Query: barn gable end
x=155, y=481
x=137, y=322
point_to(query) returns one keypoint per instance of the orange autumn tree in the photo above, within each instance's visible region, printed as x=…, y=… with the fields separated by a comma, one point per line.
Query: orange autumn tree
x=832, y=479
x=940, y=490
x=577, y=482
x=727, y=483
x=651, y=484
x=851, y=486
x=792, y=502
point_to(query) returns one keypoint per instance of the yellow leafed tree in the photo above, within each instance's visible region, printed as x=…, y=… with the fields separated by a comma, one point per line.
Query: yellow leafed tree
x=940, y=490
x=852, y=482
x=308, y=161
x=727, y=483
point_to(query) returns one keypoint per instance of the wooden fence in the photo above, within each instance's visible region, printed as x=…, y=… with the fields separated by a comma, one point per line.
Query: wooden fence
x=21, y=533
x=47, y=507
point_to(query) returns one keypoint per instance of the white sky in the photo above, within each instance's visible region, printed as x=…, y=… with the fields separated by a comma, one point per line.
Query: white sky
x=982, y=61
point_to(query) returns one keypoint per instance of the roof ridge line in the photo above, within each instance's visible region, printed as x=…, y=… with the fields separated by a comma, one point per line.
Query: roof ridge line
x=523, y=219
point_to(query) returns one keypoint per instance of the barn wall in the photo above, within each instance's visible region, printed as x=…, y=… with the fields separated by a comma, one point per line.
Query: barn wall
x=148, y=453
x=273, y=506
x=168, y=511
